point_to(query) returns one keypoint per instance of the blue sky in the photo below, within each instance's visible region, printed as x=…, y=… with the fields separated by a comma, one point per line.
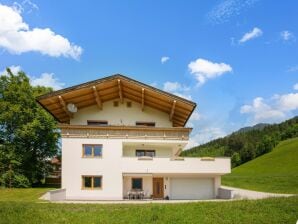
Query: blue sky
x=238, y=60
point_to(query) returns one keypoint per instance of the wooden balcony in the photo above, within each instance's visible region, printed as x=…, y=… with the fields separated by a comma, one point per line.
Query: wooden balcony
x=124, y=132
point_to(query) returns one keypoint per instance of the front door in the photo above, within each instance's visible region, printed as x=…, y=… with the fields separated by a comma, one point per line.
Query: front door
x=158, y=187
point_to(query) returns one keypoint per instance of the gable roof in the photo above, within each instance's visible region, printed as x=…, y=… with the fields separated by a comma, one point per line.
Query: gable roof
x=116, y=87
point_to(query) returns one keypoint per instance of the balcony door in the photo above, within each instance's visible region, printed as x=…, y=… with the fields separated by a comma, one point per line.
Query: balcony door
x=158, y=192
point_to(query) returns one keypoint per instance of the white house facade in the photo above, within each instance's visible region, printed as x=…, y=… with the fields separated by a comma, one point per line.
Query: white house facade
x=121, y=139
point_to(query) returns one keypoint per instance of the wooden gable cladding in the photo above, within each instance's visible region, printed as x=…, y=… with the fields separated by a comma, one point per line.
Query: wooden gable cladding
x=116, y=87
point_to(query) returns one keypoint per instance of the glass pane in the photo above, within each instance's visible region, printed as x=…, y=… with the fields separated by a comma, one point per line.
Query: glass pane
x=150, y=153
x=140, y=153
x=87, y=150
x=87, y=182
x=137, y=183
x=97, y=150
x=97, y=181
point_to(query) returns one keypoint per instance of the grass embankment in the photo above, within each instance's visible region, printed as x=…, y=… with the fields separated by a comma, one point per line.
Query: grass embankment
x=22, y=206
x=276, y=171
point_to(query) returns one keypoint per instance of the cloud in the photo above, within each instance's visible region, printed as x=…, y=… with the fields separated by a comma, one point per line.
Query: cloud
x=256, y=32
x=25, y=6
x=227, y=9
x=287, y=35
x=195, y=116
x=174, y=86
x=164, y=59
x=205, y=135
x=295, y=87
x=177, y=89
x=47, y=79
x=203, y=69
x=276, y=109
x=17, y=38
x=14, y=69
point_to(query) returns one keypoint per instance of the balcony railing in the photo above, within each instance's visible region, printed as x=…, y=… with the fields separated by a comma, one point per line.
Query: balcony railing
x=198, y=165
x=120, y=132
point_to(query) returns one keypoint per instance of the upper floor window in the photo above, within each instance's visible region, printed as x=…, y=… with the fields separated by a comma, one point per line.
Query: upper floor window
x=146, y=124
x=92, y=150
x=91, y=182
x=97, y=123
x=141, y=152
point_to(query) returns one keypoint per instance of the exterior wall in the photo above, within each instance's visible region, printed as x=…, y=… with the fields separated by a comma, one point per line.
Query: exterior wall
x=147, y=185
x=109, y=166
x=121, y=115
x=160, y=151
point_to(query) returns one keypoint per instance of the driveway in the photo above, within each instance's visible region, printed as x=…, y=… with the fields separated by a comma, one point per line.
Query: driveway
x=248, y=194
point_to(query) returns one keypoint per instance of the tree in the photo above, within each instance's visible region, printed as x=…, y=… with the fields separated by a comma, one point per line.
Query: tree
x=28, y=134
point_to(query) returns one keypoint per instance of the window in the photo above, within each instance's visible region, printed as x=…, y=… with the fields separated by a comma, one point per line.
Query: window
x=137, y=183
x=97, y=123
x=116, y=103
x=128, y=104
x=92, y=150
x=91, y=182
x=146, y=124
x=140, y=153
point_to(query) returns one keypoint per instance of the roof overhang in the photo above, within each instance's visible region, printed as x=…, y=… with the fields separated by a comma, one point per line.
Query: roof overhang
x=116, y=87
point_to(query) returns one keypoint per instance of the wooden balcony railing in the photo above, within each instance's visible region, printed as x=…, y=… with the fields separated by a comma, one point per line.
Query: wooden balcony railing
x=123, y=132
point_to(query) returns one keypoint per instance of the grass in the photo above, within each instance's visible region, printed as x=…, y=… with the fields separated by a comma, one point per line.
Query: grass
x=276, y=171
x=22, y=206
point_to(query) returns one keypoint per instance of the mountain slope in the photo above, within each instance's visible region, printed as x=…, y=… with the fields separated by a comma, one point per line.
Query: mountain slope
x=243, y=146
x=276, y=171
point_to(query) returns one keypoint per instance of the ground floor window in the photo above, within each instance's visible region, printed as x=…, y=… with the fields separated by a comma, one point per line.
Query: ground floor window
x=137, y=183
x=91, y=182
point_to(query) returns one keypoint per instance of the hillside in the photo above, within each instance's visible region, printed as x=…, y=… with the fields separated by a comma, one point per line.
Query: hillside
x=248, y=143
x=276, y=171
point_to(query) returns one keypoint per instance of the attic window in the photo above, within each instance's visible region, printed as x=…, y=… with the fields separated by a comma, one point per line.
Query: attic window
x=146, y=124
x=97, y=123
x=116, y=103
x=128, y=104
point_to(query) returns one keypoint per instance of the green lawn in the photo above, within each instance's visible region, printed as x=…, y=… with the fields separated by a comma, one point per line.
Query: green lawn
x=276, y=171
x=22, y=206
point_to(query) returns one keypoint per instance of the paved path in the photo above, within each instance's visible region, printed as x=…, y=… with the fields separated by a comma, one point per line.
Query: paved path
x=248, y=194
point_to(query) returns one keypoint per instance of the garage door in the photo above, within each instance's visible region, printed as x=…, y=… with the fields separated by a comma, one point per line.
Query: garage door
x=192, y=188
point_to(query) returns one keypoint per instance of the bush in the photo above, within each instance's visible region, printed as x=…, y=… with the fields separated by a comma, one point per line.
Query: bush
x=11, y=179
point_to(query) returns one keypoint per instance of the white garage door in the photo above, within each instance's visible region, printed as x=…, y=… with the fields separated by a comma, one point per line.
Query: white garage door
x=192, y=188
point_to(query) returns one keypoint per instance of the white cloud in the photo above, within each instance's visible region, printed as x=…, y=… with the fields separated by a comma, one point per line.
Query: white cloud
x=205, y=135
x=47, y=79
x=226, y=9
x=14, y=69
x=275, y=109
x=295, y=87
x=164, y=59
x=174, y=86
x=195, y=116
x=18, y=38
x=287, y=35
x=204, y=69
x=256, y=32
x=177, y=89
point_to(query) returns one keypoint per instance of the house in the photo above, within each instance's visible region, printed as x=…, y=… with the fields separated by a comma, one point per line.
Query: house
x=121, y=136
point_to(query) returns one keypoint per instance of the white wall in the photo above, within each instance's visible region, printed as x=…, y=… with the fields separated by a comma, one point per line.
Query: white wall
x=160, y=151
x=121, y=115
x=147, y=185
x=112, y=166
